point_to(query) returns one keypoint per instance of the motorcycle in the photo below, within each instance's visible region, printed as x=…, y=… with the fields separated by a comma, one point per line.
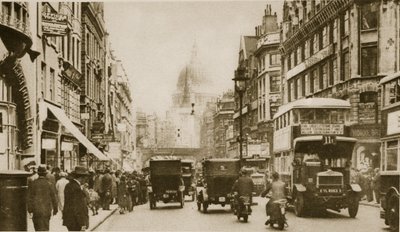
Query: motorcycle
x=277, y=214
x=242, y=207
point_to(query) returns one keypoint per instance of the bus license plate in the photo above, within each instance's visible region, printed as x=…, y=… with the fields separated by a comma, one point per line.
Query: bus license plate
x=330, y=190
x=221, y=199
x=165, y=195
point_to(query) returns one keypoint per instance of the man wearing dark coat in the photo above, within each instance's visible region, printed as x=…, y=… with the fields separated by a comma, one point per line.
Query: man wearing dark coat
x=106, y=189
x=76, y=212
x=41, y=201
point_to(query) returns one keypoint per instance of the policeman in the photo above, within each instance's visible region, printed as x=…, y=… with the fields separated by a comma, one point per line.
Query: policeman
x=278, y=192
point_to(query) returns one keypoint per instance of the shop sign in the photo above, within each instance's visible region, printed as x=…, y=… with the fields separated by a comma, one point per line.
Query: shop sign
x=114, y=150
x=49, y=144
x=85, y=116
x=365, y=132
x=321, y=129
x=54, y=24
x=393, y=123
x=67, y=146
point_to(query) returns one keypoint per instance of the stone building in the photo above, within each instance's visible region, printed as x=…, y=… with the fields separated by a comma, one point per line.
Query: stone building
x=93, y=67
x=207, y=131
x=223, y=118
x=17, y=85
x=120, y=131
x=268, y=77
x=341, y=49
x=248, y=61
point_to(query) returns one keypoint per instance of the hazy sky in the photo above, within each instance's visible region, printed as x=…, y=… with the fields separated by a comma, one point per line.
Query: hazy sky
x=154, y=40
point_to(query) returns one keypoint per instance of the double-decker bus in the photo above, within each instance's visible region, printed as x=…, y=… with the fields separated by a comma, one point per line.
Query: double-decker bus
x=312, y=153
x=390, y=162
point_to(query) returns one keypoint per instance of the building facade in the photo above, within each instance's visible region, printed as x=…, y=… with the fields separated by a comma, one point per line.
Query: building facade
x=93, y=67
x=341, y=49
x=223, y=118
x=249, y=116
x=268, y=78
x=119, y=133
x=17, y=87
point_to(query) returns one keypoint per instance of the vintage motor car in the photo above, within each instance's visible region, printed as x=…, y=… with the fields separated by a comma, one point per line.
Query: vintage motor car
x=219, y=176
x=166, y=182
x=188, y=178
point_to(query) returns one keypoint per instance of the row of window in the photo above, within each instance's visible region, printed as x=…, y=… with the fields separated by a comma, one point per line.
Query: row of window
x=94, y=48
x=326, y=74
x=368, y=15
x=274, y=86
x=311, y=116
x=70, y=96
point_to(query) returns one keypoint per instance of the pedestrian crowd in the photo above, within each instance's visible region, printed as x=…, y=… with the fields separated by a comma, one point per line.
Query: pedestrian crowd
x=74, y=194
x=368, y=177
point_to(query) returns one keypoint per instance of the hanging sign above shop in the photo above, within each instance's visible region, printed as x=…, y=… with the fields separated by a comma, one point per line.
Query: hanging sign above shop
x=54, y=24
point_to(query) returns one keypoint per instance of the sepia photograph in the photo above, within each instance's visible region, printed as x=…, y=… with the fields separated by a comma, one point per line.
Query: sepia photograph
x=200, y=115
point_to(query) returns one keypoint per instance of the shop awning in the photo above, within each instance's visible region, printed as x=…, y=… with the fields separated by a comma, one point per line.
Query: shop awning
x=65, y=121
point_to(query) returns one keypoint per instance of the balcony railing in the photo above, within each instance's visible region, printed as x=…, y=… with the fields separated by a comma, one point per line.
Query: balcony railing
x=15, y=23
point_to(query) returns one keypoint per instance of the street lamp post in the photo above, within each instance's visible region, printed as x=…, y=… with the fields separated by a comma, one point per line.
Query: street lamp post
x=240, y=87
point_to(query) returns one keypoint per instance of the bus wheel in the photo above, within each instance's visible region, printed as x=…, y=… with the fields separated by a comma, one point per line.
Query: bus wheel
x=353, y=206
x=299, y=205
x=393, y=213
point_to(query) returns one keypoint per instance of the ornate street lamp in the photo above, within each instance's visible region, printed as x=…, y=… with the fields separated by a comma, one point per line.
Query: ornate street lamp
x=240, y=88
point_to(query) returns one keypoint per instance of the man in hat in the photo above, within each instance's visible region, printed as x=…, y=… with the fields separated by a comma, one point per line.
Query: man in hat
x=41, y=200
x=76, y=212
x=106, y=189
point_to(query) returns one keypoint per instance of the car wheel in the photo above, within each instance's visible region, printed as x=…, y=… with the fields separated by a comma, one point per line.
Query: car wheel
x=245, y=218
x=353, y=206
x=393, y=213
x=299, y=205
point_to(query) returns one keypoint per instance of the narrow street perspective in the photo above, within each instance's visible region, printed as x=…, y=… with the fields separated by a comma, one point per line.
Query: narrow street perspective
x=264, y=115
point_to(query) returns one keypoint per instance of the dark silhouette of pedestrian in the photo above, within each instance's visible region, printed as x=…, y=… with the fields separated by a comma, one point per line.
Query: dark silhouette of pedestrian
x=42, y=200
x=106, y=189
x=76, y=212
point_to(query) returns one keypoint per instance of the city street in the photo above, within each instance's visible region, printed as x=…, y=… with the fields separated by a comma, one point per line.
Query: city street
x=169, y=217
